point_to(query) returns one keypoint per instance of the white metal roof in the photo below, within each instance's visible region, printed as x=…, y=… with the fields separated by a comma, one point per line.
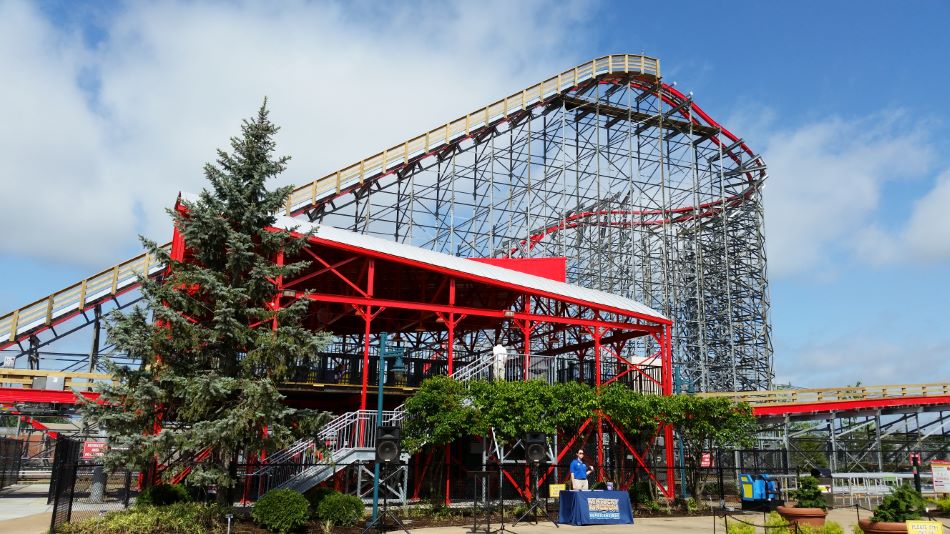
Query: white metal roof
x=596, y=298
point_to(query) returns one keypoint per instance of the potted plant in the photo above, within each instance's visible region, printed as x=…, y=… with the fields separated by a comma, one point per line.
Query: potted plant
x=903, y=504
x=810, y=508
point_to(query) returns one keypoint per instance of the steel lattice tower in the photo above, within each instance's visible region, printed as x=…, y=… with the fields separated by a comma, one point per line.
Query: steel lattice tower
x=643, y=193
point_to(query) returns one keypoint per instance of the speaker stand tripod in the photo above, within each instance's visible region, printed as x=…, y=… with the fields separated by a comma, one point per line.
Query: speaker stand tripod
x=380, y=524
x=501, y=500
x=536, y=504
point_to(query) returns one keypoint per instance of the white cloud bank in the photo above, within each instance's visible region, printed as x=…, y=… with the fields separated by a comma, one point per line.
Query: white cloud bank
x=825, y=193
x=83, y=171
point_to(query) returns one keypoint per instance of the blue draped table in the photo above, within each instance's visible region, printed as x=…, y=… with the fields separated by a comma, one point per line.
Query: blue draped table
x=599, y=507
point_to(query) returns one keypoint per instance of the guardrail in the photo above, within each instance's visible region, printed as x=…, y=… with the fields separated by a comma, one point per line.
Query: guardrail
x=78, y=297
x=849, y=393
x=40, y=379
x=401, y=154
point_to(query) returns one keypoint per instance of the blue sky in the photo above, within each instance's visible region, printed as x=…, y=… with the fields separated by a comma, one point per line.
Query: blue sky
x=113, y=107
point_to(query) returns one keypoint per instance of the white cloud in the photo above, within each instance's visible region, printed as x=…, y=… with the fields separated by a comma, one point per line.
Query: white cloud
x=82, y=174
x=825, y=185
x=927, y=233
x=862, y=357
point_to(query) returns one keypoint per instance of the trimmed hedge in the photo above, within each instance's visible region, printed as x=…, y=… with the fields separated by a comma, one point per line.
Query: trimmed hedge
x=282, y=511
x=341, y=509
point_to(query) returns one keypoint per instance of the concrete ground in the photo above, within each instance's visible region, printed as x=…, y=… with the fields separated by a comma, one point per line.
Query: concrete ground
x=650, y=525
x=23, y=509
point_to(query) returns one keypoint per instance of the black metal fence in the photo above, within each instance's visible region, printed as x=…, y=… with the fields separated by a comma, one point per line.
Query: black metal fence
x=11, y=452
x=79, y=489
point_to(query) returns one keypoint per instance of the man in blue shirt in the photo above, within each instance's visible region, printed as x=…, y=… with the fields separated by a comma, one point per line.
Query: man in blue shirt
x=579, y=472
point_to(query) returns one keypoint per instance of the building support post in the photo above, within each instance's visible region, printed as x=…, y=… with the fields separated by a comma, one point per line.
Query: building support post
x=96, y=328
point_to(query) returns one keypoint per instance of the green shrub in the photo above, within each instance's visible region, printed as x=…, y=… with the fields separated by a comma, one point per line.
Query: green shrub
x=904, y=503
x=776, y=524
x=808, y=495
x=341, y=509
x=856, y=529
x=830, y=527
x=162, y=495
x=943, y=505
x=641, y=492
x=178, y=518
x=734, y=527
x=282, y=510
x=315, y=497
x=601, y=485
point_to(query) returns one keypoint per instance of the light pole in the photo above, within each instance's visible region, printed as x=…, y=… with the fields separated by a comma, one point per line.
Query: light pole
x=398, y=367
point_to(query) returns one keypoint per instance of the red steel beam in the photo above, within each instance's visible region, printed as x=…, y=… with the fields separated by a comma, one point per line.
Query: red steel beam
x=9, y=395
x=856, y=404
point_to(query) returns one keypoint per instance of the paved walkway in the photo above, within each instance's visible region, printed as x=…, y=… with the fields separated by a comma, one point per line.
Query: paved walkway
x=648, y=525
x=23, y=509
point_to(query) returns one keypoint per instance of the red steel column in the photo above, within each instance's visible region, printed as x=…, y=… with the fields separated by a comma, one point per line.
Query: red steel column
x=526, y=329
x=368, y=318
x=450, y=324
x=597, y=333
x=668, y=390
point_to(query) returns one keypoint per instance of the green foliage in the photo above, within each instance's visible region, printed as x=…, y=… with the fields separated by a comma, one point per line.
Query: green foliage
x=443, y=410
x=830, y=527
x=641, y=492
x=179, y=518
x=692, y=505
x=902, y=504
x=213, y=348
x=341, y=509
x=943, y=505
x=808, y=495
x=734, y=527
x=439, y=414
x=162, y=495
x=315, y=496
x=776, y=524
x=856, y=529
x=282, y=510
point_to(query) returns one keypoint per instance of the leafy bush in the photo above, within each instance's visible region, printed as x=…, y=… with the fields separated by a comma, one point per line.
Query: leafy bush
x=641, y=492
x=808, y=495
x=178, y=518
x=316, y=496
x=776, y=524
x=739, y=528
x=600, y=485
x=162, y=495
x=282, y=510
x=902, y=504
x=830, y=527
x=943, y=505
x=341, y=509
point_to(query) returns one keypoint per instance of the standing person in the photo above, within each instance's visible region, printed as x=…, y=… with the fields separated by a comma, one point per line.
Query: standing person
x=579, y=472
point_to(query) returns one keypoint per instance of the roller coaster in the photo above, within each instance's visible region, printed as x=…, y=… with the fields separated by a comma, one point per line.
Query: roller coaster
x=640, y=191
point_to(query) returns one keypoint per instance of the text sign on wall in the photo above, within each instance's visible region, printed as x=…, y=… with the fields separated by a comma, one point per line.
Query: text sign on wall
x=941, y=473
x=706, y=460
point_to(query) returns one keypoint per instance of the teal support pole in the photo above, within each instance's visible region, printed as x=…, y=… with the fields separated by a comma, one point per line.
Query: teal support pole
x=384, y=353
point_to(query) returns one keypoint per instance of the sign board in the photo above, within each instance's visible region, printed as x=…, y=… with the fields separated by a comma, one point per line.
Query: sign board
x=93, y=449
x=554, y=490
x=941, y=473
x=924, y=527
x=915, y=456
x=706, y=460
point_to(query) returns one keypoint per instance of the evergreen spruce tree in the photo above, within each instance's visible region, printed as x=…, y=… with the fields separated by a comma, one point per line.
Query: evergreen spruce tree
x=217, y=343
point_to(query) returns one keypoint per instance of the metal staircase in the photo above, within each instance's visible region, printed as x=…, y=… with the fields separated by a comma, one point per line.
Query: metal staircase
x=348, y=439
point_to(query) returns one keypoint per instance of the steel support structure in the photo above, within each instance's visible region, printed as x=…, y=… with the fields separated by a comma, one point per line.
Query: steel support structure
x=643, y=193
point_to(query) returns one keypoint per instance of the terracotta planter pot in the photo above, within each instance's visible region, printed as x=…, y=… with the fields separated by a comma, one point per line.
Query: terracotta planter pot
x=880, y=527
x=813, y=517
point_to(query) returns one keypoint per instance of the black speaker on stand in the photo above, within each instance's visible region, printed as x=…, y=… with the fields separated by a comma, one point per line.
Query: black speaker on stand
x=535, y=453
x=388, y=450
